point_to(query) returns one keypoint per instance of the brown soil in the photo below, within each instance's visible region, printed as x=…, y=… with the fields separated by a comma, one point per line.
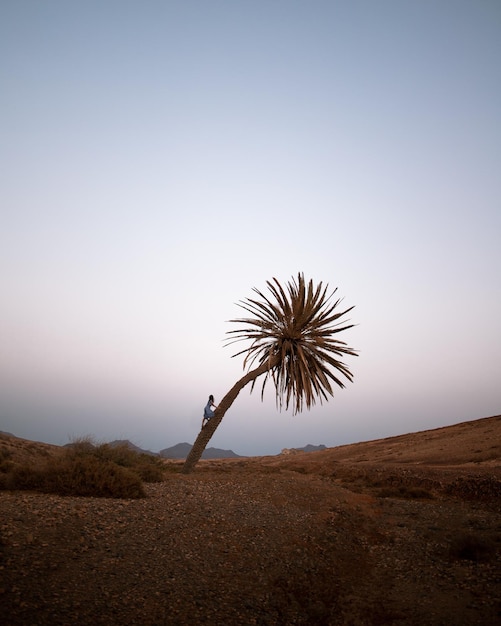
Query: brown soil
x=405, y=530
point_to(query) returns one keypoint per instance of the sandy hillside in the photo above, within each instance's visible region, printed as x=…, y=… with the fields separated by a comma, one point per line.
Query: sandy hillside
x=468, y=444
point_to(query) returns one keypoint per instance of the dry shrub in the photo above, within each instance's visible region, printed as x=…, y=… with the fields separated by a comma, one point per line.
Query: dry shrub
x=403, y=491
x=149, y=468
x=89, y=476
x=86, y=469
x=24, y=477
x=487, y=488
x=79, y=476
x=472, y=547
x=36, y=450
x=5, y=461
x=6, y=466
x=388, y=483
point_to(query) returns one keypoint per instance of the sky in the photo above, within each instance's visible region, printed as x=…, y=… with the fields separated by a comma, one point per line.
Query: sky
x=161, y=159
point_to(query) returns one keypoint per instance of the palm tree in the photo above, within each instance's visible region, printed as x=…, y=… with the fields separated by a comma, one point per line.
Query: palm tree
x=292, y=333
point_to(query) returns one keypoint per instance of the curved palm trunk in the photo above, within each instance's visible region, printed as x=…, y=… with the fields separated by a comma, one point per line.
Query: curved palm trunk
x=209, y=429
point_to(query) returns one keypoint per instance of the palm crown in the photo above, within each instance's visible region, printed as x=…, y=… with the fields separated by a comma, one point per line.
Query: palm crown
x=293, y=331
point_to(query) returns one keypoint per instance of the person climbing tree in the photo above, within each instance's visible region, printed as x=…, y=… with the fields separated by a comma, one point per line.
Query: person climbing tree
x=292, y=334
x=208, y=410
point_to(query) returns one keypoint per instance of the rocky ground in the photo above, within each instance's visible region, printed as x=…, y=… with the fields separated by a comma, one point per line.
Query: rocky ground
x=305, y=539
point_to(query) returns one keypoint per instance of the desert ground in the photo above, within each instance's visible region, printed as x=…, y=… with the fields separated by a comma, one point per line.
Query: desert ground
x=404, y=530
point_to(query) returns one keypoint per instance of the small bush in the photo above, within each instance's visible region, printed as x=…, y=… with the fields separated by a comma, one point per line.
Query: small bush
x=409, y=493
x=472, y=548
x=150, y=473
x=6, y=463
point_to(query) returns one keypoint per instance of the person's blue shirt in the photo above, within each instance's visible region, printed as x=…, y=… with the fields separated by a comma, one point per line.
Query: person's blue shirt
x=208, y=412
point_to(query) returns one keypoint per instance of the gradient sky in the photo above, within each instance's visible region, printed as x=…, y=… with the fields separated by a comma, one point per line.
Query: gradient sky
x=160, y=159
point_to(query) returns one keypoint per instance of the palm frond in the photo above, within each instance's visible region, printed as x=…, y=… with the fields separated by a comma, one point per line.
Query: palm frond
x=293, y=330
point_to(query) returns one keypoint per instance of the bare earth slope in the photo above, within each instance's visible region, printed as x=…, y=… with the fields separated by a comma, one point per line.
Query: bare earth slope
x=478, y=442
x=405, y=530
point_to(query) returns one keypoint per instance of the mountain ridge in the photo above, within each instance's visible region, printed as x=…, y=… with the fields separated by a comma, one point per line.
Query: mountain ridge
x=476, y=441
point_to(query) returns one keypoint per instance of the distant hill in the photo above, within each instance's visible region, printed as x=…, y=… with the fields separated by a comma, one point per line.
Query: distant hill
x=181, y=451
x=308, y=448
x=125, y=442
x=312, y=448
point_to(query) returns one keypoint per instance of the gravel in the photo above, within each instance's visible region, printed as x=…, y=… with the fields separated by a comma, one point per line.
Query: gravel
x=247, y=547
